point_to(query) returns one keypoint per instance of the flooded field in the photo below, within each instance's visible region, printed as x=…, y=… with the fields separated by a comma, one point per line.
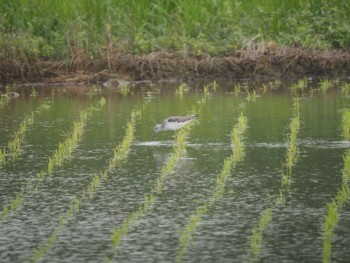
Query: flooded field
x=261, y=176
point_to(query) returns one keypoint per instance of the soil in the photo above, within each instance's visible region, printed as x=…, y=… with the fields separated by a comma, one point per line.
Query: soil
x=265, y=61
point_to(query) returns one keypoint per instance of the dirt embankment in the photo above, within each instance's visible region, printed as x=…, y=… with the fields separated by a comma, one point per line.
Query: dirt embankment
x=252, y=62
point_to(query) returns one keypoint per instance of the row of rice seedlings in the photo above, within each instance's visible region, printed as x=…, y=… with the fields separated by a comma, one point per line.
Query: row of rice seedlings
x=150, y=199
x=120, y=153
x=94, y=90
x=33, y=93
x=5, y=98
x=298, y=88
x=14, y=146
x=64, y=151
x=256, y=237
x=182, y=89
x=326, y=84
x=345, y=89
x=251, y=96
x=346, y=124
x=335, y=207
x=124, y=89
x=236, y=156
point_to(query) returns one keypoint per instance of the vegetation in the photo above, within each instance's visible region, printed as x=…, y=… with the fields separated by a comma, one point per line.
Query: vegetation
x=120, y=154
x=77, y=31
x=63, y=151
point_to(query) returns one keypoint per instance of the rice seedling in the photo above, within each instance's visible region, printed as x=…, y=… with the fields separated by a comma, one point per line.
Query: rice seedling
x=346, y=124
x=4, y=100
x=63, y=151
x=236, y=156
x=94, y=90
x=182, y=89
x=325, y=84
x=256, y=237
x=120, y=153
x=251, y=96
x=298, y=88
x=33, y=93
x=124, y=89
x=345, y=89
x=214, y=85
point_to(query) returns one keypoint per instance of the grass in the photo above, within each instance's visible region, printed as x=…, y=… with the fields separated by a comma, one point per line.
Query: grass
x=335, y=207
x=63, y=152
x=78, y=31
x=256, y=237
x=120, y=153
x=236, y=156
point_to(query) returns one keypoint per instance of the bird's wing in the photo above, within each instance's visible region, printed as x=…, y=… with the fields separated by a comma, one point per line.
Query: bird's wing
x=180, y=119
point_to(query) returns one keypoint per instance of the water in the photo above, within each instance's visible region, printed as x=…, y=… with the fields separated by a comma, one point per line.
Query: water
x=295, y=232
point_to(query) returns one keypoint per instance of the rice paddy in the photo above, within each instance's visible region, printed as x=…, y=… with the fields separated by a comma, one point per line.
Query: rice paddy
x=262, y=175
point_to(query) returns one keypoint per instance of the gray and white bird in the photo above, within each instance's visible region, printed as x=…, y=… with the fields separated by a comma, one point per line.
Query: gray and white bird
x=174, y=123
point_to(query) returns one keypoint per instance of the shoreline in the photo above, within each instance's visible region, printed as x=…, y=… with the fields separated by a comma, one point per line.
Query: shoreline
x=258, y=61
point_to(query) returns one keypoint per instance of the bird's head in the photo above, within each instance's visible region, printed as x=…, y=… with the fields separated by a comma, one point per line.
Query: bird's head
x=157, y=128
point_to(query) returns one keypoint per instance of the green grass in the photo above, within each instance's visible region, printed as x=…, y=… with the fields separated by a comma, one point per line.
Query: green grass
x=76, y=31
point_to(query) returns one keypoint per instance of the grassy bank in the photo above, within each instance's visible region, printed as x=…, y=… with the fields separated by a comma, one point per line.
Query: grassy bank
x=74, y=33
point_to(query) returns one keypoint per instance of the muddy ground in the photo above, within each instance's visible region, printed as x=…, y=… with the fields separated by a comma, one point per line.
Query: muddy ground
x=254, y=62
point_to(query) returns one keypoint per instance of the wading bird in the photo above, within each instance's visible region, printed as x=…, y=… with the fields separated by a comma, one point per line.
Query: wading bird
x=174, y=123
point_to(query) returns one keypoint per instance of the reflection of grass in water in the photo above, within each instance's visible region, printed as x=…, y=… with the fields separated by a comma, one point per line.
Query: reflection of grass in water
x=150, y=199
x=63, y=151
x=120, y=154
x=14, y=147
x=256, y=237
x=342, y=197
x=217, y=194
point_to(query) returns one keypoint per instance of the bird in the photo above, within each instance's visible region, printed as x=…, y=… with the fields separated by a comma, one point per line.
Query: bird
x=174, y=123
